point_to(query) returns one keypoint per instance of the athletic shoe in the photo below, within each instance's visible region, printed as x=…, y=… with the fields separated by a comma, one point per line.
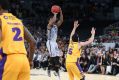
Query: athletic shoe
x=49, y=73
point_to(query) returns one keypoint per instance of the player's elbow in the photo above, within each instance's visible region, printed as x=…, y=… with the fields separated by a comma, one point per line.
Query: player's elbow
x=33, y=43
x=61, y=20
x=91, y=40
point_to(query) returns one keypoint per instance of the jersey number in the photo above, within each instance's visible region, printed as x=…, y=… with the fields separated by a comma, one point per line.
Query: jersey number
x=17, y=37
x=70, y=51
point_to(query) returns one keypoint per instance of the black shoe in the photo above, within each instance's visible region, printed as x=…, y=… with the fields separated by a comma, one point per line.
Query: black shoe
x=83, y=78
x=49, y=73
x=56, y=73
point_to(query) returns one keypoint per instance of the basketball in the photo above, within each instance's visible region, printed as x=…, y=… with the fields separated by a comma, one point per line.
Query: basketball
x=55, y=9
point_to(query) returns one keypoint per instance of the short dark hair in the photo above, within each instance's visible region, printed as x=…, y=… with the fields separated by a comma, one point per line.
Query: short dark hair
x=75, y=38
x=115, y=49
x=4, y=4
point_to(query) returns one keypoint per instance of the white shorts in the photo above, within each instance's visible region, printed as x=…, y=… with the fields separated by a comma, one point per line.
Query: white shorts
x=53, y=49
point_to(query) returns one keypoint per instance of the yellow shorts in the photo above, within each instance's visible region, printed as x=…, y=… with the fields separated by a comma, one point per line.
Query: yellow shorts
x=14, y=67
x=73, y=71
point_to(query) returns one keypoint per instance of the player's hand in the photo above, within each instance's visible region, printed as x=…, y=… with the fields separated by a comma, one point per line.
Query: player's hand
x=60, y=9
x=53, y=19
x=93, y=31
x=55, y=13
x=76, y=24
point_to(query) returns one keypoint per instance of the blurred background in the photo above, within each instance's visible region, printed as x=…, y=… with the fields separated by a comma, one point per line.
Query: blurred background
x=97, y=13
x=101, y=14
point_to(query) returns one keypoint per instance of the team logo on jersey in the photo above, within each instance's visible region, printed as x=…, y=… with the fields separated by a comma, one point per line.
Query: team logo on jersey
x=5, y=17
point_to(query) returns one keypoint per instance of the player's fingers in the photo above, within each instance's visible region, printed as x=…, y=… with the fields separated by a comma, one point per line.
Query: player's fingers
x=76, y=21
x=77, y=24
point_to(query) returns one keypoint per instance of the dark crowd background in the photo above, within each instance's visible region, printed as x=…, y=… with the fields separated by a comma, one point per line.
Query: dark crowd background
x=101, y=14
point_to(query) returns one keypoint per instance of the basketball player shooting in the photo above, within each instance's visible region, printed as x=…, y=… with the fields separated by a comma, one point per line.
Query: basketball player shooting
x=14, y=64
x=74, y=52
x=52, y=46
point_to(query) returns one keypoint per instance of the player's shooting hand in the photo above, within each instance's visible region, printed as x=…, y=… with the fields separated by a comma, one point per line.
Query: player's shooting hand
x=60, y=9
x=93, y=31
x=76, y=24
x=53, y=19
x=55, y=13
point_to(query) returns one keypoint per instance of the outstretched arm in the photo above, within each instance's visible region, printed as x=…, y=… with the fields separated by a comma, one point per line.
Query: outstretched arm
x=52, y=21
x=31, y=41
x=76, y=24
x=0, y=30
x=90, y=39
x=61, y=18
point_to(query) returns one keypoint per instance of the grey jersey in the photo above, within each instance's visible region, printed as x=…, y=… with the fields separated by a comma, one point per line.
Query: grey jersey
x=52, y=33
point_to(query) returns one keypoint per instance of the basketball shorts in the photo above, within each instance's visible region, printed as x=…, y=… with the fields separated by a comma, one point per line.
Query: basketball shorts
x=73, y=70
x=53, y=49
x=54, y=61
x=14, y=67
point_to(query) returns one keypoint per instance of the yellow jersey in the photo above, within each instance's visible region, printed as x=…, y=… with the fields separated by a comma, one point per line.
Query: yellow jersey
x=12, y=34
x=73, y=52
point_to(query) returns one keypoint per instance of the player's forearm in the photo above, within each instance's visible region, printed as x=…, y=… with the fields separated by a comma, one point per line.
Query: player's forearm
x=52, y=21
x=60, y=20
x=61, y=16
x=54, y=18
x=31, y=53
x=91, y=38
x=73, y=31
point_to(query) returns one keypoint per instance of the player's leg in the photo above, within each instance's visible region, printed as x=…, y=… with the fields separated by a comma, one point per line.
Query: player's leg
x=76, y=72
x=25, y=70
x=57, y=65
x=69, y=71
x=50, y=66
x=81, y=71
x=49, y=47
x=12, y=67
x=56, y=53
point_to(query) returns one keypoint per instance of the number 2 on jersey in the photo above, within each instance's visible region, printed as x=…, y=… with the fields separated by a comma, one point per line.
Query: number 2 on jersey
x=17, y=35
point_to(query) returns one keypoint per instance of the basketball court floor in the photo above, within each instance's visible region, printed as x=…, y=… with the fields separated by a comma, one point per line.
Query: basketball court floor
x=39, y=74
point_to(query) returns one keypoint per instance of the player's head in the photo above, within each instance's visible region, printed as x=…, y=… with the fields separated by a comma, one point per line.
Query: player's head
x=4, y=5
x=75, y=38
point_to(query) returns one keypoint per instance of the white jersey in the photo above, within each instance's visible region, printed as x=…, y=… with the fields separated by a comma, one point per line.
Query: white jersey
x=52, y=33
x=52, y=45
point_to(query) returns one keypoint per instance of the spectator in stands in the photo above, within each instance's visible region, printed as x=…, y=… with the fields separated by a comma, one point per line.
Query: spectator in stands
x=93, y=63
x=117, y=64
x=98, y=63
x=108, y=67
x=84, y=62
x=104, y=63
x=114, y=70
x=110, y=50
x=44, y=58
x=36, y=59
